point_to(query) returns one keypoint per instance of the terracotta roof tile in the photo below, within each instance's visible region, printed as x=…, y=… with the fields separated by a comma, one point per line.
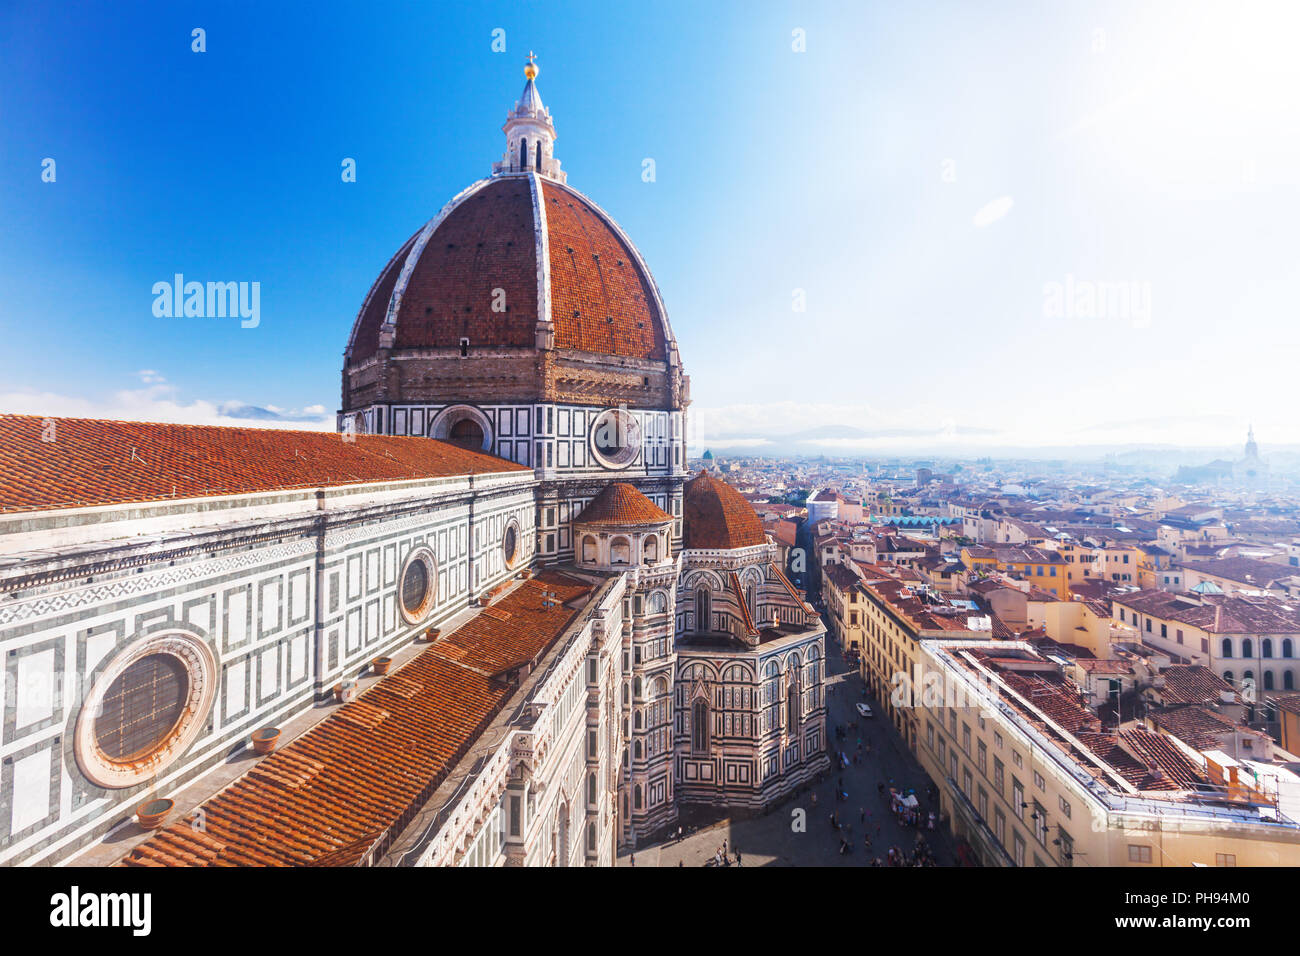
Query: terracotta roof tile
x=1162, y=755
x=1192, y=684
x=1193, y=724
x=600, y=300
x=328, y=796
x=718, y=517
x=620, y=503
x=738, y=593
x=486, y=243
x=98, y=462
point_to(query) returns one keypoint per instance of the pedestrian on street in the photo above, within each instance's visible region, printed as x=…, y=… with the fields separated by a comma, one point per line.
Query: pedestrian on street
x=632, y=858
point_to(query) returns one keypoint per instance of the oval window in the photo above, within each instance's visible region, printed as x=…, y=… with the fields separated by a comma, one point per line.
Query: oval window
x=615, y=438
x=510, y=544
x=142, y=707
x=417, y=588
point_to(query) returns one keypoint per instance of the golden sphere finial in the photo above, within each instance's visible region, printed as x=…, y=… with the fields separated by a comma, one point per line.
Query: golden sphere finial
x=530, y=68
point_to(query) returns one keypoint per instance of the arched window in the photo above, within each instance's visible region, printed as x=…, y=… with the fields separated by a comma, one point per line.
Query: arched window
x=636, y=687
x=794, y=696
x=636, y=796
x=700, y=726
x=638, y=751
x=703, y=620
x=1227, y=647
x=1247, y=648
x=751, y=600
x=589, y=549
x=560, y=836
x=591, y=838
x=772, y=697
x=466, y=433
x=620, y=552
x=657, y=603
x=651, y=548
x=1266, y=648
x=1268, y=680
x=1288, y=681
x=1286, y=647
x=523, y=153
x=591, y=788
x=539, y=154
x=1227, y=675
x=636, y=719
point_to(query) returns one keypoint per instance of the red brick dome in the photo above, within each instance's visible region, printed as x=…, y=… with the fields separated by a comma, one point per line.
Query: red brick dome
x=718, y=517
x=551, y=253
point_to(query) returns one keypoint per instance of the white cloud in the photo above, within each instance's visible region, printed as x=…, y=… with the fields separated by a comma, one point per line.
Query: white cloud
x=993, y=211
x=160, y=402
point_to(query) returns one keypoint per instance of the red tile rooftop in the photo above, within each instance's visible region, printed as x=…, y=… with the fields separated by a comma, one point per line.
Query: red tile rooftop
x=717, y=517
x=358, y=776
x=602, y=301
x=619, y=503
x=98, y=462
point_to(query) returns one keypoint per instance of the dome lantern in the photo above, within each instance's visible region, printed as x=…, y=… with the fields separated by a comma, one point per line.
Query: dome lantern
x=530, y=134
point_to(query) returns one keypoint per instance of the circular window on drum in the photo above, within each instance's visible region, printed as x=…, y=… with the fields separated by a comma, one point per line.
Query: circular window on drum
x=510, y=543
x=145, y=709
x=616, y=438
x=142, y=707
x=418, y=586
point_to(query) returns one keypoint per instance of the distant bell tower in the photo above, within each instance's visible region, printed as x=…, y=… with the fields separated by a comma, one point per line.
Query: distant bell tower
x=1252, y=450
x=530, y=134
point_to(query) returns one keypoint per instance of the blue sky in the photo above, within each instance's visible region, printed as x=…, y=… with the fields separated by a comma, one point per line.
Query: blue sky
x=937, y=178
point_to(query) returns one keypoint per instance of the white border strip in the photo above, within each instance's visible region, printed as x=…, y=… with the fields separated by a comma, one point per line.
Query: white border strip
x=395, y=301
x=542, y=235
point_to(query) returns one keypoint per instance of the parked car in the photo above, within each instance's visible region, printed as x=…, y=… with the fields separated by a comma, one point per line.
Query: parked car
x=864, y=710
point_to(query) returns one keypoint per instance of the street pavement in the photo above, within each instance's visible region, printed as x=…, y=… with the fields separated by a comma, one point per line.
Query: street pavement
x=772, y=839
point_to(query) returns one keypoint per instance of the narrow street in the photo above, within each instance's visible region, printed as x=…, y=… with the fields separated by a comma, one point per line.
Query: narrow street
x=773, y=839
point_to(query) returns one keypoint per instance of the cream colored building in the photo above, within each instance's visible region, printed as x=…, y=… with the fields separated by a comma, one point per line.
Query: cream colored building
x=1027, y=776
x=845, y=606
x=895, y=622
x=1085, y=623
